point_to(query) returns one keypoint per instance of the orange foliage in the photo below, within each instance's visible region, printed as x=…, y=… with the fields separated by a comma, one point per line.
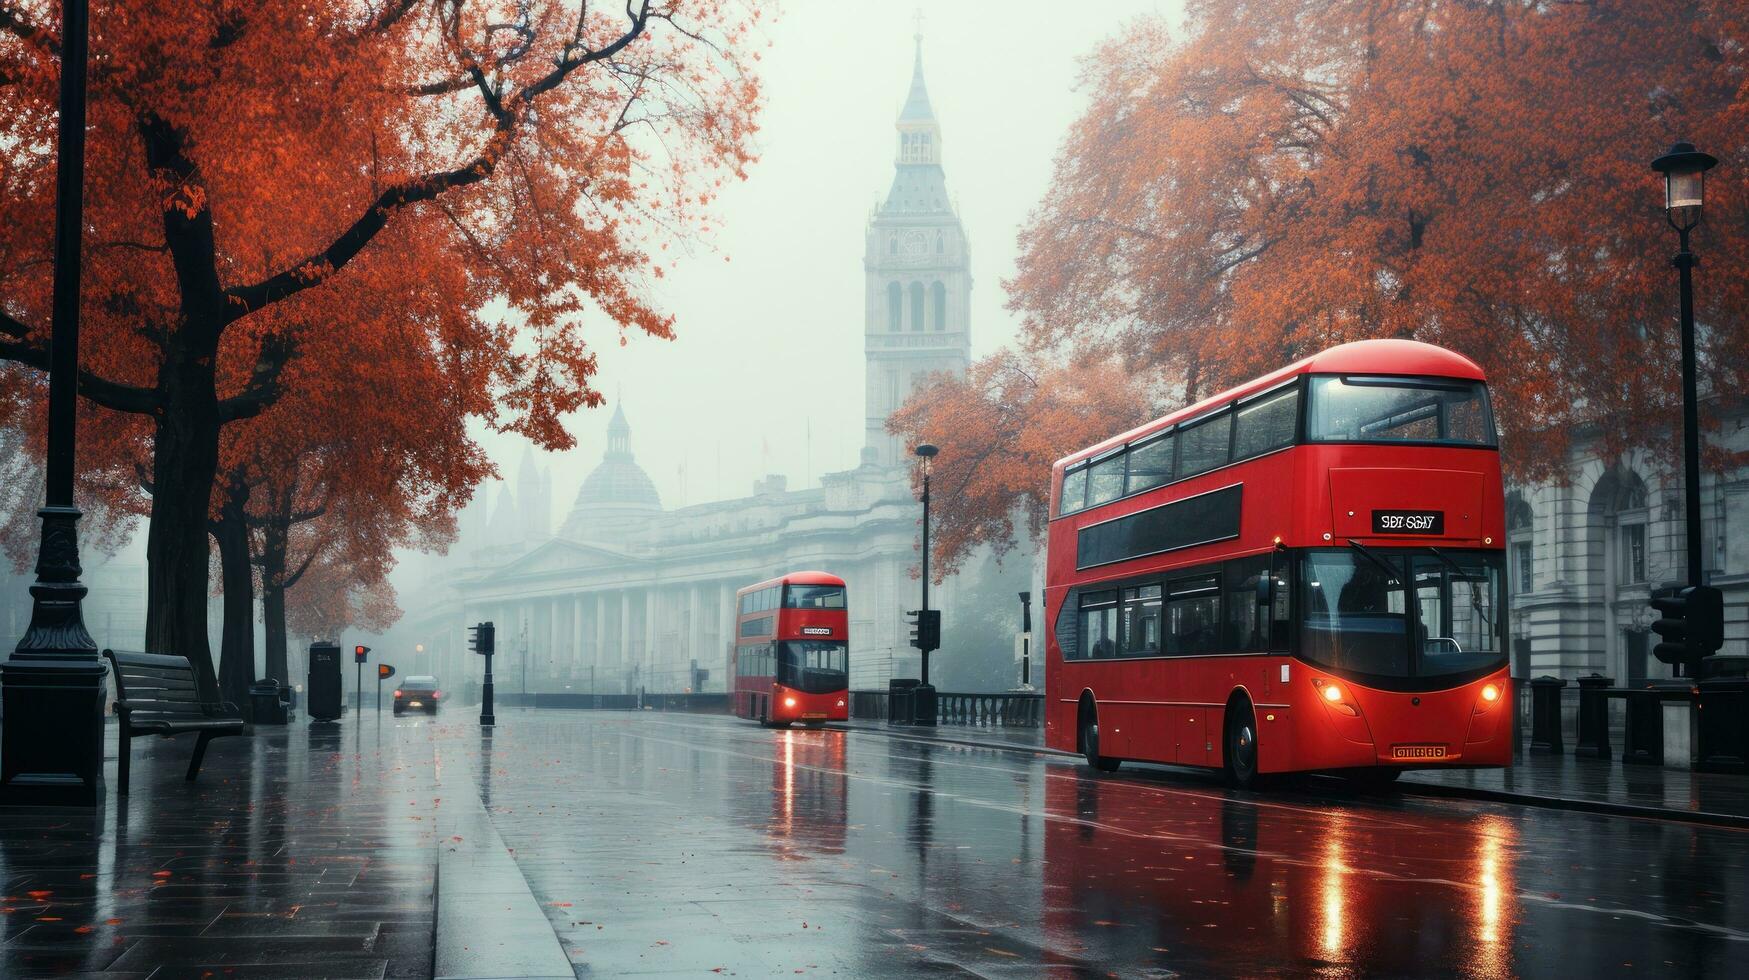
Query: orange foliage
x=999, y=430
x=1293, y=174
x=265, y=173
x=1299, y=173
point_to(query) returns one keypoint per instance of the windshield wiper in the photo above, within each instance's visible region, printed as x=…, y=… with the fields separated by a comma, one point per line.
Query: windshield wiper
x=1475, y=596
x=1366, y=553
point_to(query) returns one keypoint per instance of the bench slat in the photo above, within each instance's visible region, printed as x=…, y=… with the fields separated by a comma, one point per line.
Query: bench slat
x=133, y=691
x=185, y=675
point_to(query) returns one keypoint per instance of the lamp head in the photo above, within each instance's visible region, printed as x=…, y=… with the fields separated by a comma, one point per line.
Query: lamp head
x=1684, y=169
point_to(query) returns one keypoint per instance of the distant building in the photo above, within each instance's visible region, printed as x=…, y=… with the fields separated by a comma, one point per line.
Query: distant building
x=629, y=595
x=1584, y=556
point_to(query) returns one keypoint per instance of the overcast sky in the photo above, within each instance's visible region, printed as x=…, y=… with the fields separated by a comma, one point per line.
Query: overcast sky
x=770, y=342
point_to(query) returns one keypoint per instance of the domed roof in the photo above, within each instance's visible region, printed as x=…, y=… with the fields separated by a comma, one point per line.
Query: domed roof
x=618, y=481
x=617, y=484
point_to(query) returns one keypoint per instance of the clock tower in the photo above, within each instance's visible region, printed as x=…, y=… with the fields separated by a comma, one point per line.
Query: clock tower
x=917, y=276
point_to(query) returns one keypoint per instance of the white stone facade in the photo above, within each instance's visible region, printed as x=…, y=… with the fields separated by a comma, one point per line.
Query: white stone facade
x=1598, y=545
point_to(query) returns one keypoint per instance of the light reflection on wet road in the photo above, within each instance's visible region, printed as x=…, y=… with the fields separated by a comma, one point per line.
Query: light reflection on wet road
x=673, y=843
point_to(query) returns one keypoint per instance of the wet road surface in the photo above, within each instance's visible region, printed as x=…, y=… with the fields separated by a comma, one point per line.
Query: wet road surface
x=685, y=844
x=669, y=844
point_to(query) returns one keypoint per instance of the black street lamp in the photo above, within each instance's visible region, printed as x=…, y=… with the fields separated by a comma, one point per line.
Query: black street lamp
x=1026, y=641
x=927, y=453
x=54, y=683
x=1684, y=169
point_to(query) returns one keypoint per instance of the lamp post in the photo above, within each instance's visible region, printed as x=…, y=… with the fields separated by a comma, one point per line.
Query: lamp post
x=1684, y=169
x=927, y=453
x=1026, y=641
x=54, y=682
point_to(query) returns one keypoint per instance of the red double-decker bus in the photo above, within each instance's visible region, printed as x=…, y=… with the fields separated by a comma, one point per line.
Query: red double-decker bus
x=791, y=661
x=1304, y=573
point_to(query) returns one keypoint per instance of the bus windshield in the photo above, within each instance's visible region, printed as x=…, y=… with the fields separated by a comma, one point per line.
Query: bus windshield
x=813, y=666
x=813, y=597
x=1407, y=618
x=1354, y=408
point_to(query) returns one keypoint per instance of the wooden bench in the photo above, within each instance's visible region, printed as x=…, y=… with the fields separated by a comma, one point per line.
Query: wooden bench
x=159, y=695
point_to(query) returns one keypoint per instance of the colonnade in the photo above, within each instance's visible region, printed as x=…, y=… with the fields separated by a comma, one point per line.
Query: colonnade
x=611, y=640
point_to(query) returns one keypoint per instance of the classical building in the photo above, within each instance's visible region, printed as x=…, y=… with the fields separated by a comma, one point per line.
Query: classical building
x=1585, y=554
x=629, y=595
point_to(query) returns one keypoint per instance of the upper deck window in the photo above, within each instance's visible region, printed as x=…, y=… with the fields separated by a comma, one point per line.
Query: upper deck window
x=814, y=597
x=1353, y=408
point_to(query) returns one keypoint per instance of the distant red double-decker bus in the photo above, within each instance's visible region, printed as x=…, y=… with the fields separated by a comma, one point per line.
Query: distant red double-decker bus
x=791, y=661
x=1304, y=573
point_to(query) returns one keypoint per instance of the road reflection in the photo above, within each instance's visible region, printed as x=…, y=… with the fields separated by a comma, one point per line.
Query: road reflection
x=1176, y=878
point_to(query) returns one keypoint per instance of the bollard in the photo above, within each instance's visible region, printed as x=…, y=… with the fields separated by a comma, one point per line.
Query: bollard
x=1545, y=714
x=1724, y=724
x=1594, y=716
x=1643, y=741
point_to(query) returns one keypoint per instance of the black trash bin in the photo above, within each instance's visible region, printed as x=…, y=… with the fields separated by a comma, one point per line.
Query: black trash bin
x=902, y=701
x=924, y=705
x=265, y=707
x=322, y=695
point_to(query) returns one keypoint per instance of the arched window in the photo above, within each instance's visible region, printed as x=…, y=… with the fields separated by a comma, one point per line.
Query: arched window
x=1619, y=499
x=1521, y=558
x=892, y=244
x=940, y=244
x=916, y=306
x=938, y=293
x=895, y=306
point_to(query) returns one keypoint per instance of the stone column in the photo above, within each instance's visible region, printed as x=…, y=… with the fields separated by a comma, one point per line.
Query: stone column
x=576, y=637
x=596, y=654
x=653, y=676
x=620, y=661
x=557, y=634
x=695, y=632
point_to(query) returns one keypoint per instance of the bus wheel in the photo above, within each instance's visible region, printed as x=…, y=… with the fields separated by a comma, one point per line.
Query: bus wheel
x=1090, y=747
x=1241, y=745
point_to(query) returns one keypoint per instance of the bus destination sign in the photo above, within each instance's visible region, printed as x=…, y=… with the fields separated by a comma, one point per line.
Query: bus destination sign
x=1408, y=522
x=816, y=631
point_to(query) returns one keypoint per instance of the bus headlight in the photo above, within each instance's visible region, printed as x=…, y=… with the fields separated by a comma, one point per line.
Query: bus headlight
x=1490, y=693
x=1332, y=693
x=789, y=702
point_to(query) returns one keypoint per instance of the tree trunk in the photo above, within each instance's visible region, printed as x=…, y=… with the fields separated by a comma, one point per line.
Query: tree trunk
x=185, y=460
x=237, y=576
x=273, y=540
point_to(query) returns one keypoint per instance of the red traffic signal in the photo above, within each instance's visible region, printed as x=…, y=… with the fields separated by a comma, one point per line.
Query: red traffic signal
x=385, y=671
x=359, y=653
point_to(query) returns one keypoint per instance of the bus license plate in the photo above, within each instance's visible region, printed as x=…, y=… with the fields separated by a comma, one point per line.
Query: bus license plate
x=813, y=714
x=1408, y=522
x=1417, y=751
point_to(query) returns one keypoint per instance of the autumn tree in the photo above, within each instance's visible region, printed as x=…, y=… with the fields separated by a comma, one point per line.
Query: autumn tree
x=1292, y=174
x=366, y=452
x=267, y=170
x=999, y=428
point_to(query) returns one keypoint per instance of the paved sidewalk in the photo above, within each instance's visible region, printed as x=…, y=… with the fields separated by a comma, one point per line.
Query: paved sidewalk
x=299, y=852
x=1537, y=779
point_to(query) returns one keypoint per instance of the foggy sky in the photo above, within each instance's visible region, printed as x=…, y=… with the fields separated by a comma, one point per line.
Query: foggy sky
x=770, y=342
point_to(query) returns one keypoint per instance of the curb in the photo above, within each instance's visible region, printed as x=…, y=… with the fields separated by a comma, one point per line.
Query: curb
x=1702, y=817
x=488, y=923
x=1406, y=787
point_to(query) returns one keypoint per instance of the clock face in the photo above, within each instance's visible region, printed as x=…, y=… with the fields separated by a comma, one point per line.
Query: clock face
x=914, y=243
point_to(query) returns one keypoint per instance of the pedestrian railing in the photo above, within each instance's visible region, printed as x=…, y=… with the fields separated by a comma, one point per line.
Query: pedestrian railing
x=1014, y=709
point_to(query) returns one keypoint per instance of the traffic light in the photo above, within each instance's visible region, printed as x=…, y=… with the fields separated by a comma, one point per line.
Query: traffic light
x=1692, y=624
x=359, y=653
x=925, y=628
x=482, y=639
x=385, y=671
